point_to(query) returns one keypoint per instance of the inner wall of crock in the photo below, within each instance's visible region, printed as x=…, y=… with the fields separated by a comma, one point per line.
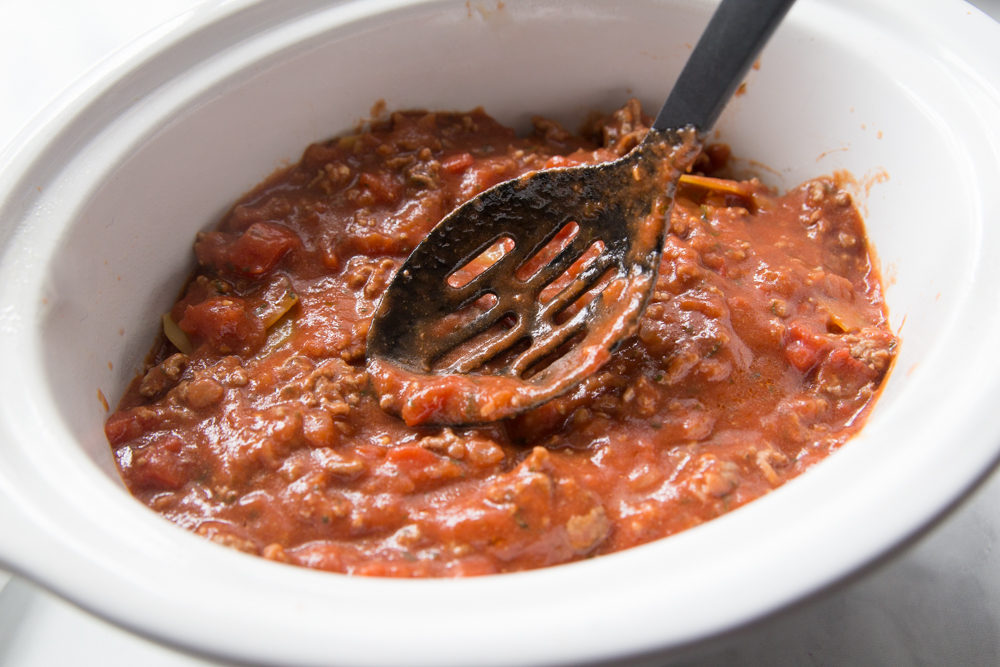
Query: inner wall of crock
x=819, y=103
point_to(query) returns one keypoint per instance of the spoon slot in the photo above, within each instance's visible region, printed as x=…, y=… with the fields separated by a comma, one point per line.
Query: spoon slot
x=481, y=262
x=504, y=334
x=569, y=255
x=551, y=249
x=590, y=288
x=546, y=361
x=576, y=269
x=546, y=344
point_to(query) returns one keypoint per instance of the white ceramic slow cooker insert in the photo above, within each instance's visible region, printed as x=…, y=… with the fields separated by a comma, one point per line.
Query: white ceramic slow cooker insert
x=100, y=202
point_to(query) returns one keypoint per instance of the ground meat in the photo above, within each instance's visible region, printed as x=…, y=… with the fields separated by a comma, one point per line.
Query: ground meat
x=760, y=352
x=163, y=375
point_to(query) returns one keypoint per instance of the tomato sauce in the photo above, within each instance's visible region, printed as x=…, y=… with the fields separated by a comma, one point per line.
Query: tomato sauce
x=759, y=354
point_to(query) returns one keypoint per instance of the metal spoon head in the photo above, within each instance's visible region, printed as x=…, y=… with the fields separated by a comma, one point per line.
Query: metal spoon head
x=453, y=342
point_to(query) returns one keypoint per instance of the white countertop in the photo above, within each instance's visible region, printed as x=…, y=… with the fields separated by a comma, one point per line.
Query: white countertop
x=935, y=603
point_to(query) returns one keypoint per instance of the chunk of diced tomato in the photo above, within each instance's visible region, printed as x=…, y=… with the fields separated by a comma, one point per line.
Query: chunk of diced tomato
x=160, y=466
x=456, y=164
x=424, y=468
x=224, y=323
x=804, y=346
x=383, y=186
x=254, y=252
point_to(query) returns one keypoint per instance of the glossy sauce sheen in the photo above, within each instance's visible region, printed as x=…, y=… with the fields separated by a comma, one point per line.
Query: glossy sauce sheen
x=759, y=354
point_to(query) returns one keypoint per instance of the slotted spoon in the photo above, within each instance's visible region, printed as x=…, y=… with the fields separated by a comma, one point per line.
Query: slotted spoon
x=446, y=352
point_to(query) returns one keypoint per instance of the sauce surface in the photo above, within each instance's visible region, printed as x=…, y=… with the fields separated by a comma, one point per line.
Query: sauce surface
x=254, y=425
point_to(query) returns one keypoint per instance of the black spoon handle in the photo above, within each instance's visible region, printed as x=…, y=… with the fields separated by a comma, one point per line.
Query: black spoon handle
x=731, y=42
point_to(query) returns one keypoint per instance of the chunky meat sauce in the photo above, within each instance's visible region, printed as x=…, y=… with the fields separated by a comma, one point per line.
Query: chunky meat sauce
x=254, y=425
